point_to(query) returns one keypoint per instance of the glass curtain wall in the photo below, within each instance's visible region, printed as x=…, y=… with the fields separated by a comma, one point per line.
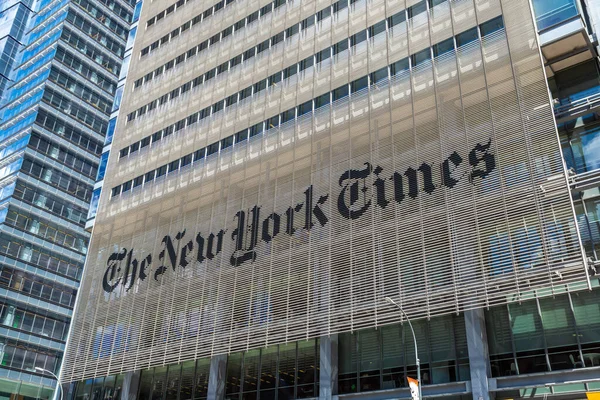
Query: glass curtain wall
x=548, y=334
x=375, y=359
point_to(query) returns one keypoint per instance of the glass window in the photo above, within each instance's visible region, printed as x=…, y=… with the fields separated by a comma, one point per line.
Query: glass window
x=358, y=38
x=552, y=12
x=268, y=369
x=417, y=9
x=359, y=84
x=340, y=93
x=161, y=171
x=306, y=63
x=186, y=380
x=370, y=360
x=421, y=57
x=256, y=129
x=491, y=26
x=149, y=176
x=377, y=29
x=308, y=22
x=340, y=5
x=526, y=327
x=261, y=85
x=227, y=142
x=241, y=136
x=266, y=9
x=233, y=376
x=292, y=30
x=287, y=370
x=324, y=13
x=586, y=306
x=340, y=46
x=347, y=363
x=443, y=47
x=276, y=39
x=199, y=154
x=466, y=37
x=397, y=19
x=159, y=383
x=290, y=71
x=201, y=379
x=173, y=166
x=305, y=108
x=392, y=357
x=323, y=55
x=274, y=79
x=322, y=100
x=145, y=389
x=307, y=375
x=379, y=75
x=173, y=381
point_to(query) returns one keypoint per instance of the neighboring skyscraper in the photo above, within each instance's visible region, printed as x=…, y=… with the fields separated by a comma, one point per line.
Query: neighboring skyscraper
x=14, y=16
x=54, y=119
x=279, y=168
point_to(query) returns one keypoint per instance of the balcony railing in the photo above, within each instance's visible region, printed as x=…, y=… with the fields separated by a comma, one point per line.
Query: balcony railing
x=577, y=104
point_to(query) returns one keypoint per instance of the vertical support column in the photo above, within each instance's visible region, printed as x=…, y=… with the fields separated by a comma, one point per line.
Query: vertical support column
x=130, y=386
x=328, y=362
x=216, y=377
x=479, y=357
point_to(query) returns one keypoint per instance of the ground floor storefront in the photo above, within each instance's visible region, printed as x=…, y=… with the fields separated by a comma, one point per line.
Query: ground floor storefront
x=546, y=347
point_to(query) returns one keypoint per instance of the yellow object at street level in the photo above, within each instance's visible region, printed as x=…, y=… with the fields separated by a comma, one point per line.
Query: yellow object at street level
x=593, y=395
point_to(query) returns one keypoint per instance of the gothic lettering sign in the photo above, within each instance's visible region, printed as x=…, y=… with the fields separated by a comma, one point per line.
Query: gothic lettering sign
x=252, y=227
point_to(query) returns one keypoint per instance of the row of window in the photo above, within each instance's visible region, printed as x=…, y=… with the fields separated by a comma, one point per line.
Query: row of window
x=99, y=15
x=33, y=323
x=43, y=27
x=289, y=370
x=380, y=75
x=81, y=114
x=35, y=62
x=90, y=51
x=65, y=156
x=51, y=203
x=115, y=7
x=20, y=98
x=71, y=84
x=376, y=359
x=98, y=35
x=75, y=64
x=68, y=132
x=180, y=3
x=24, y=103
x=18, y=357
x=546, y=334
x=57, y=179
x=47, y=230
x=207, y=13
x=31, y=284
x=277, y=77
x=265, y=45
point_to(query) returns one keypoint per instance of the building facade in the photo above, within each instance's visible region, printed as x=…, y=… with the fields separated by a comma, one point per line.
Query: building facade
x=54, y=117
x=13, y=20
x=280, y=168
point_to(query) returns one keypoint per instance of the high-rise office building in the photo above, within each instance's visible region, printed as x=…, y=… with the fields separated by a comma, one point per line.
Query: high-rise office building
x=280, y=168
x=14, y=15
x=54, y=118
